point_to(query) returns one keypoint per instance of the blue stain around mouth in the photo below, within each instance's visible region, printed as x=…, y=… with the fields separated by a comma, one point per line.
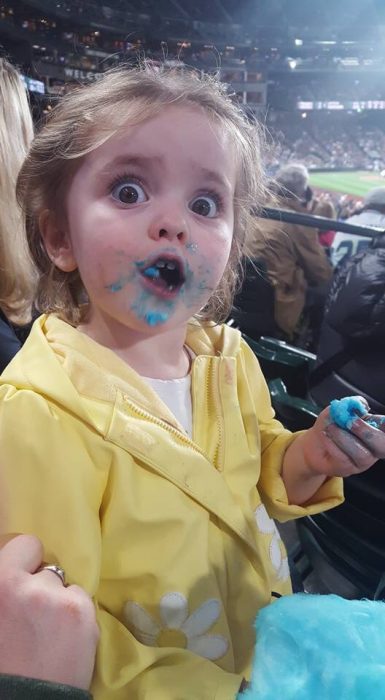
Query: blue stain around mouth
x=155, y=318
x=115, y=286
x=156, y=311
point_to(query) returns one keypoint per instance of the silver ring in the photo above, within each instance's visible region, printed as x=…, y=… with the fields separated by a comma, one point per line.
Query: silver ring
x=55, y=570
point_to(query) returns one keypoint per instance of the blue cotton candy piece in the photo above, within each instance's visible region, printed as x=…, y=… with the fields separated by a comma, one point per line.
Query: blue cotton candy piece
x=345, y=411
x=316, y=647
x=151, y=272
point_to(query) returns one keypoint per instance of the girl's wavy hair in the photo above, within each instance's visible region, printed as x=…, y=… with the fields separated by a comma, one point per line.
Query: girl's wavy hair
x=84, y=120
x=17, y=274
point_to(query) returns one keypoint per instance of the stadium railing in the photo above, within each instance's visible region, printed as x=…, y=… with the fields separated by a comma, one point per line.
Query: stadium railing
x=320, y=222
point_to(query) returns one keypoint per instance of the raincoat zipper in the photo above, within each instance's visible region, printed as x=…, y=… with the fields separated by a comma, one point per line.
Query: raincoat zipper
x=212, y=390
x=164, y=424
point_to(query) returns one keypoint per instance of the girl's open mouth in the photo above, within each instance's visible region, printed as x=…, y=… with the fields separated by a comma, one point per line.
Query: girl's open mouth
x=165, y=275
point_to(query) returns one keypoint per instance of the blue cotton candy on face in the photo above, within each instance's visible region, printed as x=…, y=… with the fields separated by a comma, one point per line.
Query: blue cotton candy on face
x=313, y=647
x=344, y=412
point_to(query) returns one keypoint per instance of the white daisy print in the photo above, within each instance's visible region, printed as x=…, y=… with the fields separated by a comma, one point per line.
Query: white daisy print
x=267, y=526
x=178, y=628
x=264, y=522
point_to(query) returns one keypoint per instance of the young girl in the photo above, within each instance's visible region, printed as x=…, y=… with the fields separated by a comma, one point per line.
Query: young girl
x=137, y=436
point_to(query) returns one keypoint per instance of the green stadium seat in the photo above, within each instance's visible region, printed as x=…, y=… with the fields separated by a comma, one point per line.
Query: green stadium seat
x=281, y=360
x=294, y=413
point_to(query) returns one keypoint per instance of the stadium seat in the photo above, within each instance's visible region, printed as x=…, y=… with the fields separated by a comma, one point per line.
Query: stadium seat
x=346, y=539
x=253, y=308
x=293, y=412
x=279, y=360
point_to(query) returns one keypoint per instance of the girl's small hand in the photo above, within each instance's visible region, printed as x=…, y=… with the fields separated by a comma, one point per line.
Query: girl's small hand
x=332, y=451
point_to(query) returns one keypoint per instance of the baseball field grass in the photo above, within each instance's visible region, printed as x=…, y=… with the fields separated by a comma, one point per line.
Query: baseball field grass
x=356, y=183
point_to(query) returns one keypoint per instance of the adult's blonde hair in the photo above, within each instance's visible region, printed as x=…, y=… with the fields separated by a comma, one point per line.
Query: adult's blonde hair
x=84, y=120
x=17, y=274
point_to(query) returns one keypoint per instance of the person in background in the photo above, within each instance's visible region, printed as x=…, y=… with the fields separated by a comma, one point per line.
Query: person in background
x=17, y=274
x=372, y=213
x=350, y=360
x=48, y=633
x=321, y=205
x=39, y=639
x=350, y=353
x=296, y=262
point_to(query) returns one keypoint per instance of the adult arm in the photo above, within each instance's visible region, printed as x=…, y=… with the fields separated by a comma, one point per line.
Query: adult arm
x=41, y=624
x=21, y=688
x=311, y=255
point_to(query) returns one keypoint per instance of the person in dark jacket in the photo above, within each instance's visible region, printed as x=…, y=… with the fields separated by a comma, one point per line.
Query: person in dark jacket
x=9, y=342
x=48, y=633
x=350, y=361
x=350, y=355
x=372, y=213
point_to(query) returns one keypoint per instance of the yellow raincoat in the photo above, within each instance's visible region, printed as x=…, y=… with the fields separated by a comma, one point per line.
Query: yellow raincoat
x=171, y=536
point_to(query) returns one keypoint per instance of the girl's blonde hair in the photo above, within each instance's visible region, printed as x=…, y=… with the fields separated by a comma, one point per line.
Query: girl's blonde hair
x=17, y=274
x=85, y=119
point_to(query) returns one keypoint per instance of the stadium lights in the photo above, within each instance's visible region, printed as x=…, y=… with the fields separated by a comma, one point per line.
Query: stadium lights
x=292, y=63
x=298, y=42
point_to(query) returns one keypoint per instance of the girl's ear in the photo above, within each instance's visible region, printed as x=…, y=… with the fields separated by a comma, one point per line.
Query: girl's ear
x=56, y=242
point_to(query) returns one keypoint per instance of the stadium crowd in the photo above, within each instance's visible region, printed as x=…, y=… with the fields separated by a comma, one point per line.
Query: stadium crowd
x=329, y=146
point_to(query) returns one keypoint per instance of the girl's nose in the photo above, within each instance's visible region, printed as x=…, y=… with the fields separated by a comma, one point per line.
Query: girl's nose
x=170, y=227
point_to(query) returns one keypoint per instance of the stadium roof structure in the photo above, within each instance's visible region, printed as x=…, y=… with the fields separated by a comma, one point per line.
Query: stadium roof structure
x=353, y=17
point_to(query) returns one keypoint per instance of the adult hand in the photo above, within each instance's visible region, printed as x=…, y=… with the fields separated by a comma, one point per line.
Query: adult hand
x=47, y=631
x=332, y=451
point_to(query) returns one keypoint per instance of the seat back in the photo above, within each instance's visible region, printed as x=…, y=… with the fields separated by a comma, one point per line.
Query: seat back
x=253, y=308
x=293, y=412
x=280, y=360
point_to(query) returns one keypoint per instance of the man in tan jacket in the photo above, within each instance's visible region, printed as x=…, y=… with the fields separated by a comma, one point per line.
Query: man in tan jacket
x=296, y=262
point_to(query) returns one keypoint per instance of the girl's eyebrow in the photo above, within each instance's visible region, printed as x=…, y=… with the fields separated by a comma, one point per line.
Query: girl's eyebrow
x=128, y=160
x=147, y=162
x=215, y=177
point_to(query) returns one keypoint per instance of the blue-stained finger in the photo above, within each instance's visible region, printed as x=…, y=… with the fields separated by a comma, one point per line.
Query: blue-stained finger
x=361, y=454
x=372, y=433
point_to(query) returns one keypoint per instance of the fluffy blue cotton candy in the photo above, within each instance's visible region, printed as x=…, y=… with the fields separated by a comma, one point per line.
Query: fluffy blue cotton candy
x=344, y=412
x=313, y=647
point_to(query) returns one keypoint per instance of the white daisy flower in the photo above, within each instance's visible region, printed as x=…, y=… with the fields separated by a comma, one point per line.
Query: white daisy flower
x=178, y=628
x=284, y=570
x=267, y=526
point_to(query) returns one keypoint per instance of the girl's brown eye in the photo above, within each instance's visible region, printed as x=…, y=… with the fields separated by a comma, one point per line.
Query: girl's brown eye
x=204, y=206
x=129, y=193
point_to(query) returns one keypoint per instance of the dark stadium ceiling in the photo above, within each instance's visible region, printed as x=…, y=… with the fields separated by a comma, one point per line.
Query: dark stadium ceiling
x=340, y=15
x=302, y=24
x=343, y=14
